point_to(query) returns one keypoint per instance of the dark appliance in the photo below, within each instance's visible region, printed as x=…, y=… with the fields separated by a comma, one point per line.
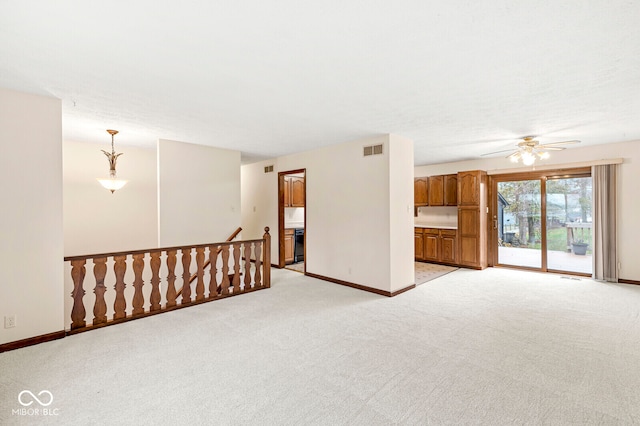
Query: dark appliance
x=298, y=251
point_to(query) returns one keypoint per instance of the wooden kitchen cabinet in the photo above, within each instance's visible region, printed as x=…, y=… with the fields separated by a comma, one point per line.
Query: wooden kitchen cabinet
x=468, y=228
x=297, y=191
x=439, y=190
x=451, y=190
x=287, y=191
x=431, y=243
x=470, y=187
x=418, y=244
x=436, y=190
x=289, y=246
x=439, y=245
x=472, y=219
x=420, y=185
x=448, y=246
x=294, y=191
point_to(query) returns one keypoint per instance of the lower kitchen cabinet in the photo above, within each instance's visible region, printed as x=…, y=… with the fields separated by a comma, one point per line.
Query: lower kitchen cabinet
x=289, y=246
x=418, y=244
x=431, y=243
x=436, y=245
x=448, y=239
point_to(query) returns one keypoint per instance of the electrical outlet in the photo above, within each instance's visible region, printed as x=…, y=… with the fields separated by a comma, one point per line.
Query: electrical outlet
x=10, y=321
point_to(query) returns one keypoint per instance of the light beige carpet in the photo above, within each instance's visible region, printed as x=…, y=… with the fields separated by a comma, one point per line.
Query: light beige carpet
x=425, y=272
x=491, y=347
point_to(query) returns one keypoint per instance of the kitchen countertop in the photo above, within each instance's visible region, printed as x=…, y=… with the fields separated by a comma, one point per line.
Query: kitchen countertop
x=433, y=225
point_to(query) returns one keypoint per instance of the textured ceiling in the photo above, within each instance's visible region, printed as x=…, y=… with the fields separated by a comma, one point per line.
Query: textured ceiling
x=269, y=78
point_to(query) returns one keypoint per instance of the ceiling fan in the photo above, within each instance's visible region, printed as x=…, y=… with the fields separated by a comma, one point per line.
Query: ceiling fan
x=529, y=148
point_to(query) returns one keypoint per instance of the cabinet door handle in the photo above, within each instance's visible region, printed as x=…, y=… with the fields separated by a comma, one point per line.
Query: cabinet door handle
x=495, y=224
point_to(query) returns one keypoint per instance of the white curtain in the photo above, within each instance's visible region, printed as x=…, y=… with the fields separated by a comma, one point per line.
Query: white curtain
x=605, y=255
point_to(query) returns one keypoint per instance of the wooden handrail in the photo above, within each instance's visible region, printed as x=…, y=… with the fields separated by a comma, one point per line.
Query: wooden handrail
x=208, y=262
x=250, y=258
x=151, y=250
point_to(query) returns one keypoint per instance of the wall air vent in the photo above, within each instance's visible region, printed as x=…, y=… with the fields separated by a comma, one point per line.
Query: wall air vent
x=372, y=150
x=268, y=169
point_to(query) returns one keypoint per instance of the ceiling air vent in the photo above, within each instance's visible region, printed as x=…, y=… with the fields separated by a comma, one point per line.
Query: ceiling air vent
x=268, y=169
x=372, y=150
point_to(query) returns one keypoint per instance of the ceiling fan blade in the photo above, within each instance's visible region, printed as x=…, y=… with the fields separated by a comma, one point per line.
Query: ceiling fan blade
x=498, y=152
x=515, y=154
x=550, y=148
x=558, y=143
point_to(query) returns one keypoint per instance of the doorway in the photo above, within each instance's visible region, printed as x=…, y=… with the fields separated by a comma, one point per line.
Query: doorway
x=292, y=218
x=542, y=221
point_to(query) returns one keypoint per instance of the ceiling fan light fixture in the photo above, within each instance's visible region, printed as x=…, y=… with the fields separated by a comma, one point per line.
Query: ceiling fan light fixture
x=529, y=149
x=528, y=158
x=543, y=155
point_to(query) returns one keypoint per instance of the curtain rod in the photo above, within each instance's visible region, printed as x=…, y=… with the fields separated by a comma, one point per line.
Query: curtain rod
x=557, y=166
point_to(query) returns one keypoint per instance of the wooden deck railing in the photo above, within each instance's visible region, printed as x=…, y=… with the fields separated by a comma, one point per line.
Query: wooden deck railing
x=236, y=267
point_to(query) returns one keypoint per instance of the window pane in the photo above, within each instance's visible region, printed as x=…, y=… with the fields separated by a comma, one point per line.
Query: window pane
x=519, y=230
x=569, y=236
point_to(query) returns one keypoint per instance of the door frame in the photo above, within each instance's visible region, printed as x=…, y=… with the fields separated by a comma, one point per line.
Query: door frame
x=542, y=175
x=281, y=176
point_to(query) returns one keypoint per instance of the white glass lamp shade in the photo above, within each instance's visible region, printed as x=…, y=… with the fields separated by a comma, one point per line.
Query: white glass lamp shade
x=112, y=184
x=528, y=158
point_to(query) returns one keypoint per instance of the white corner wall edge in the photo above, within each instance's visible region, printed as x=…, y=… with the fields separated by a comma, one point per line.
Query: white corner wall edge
x=401, y=231
x=198, y=193
x=348, y=207
x=31, y=268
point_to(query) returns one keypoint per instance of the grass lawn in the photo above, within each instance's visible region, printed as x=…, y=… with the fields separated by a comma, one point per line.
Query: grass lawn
x=557, y=239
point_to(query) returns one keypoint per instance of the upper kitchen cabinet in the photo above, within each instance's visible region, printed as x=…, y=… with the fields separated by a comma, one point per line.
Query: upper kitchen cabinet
x=294, y=191
x=287, y=191
x=440, y=190
x=420, y=191
x=450, y=190
x=470, y=187
x=297, y=191
x=436, y=190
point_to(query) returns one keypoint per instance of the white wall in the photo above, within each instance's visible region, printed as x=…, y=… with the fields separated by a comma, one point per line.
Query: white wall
x=348, y=227
x=260, y=203
x=628, y=201
x=401, y=212
x=31, y=240
x=97, y=221
x=198, y=193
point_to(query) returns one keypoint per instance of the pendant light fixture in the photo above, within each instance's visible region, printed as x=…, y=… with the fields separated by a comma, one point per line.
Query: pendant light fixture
x=112, y=183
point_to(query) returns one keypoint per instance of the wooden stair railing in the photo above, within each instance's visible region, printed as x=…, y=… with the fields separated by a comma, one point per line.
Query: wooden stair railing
x=252, y=257
x=208, y=262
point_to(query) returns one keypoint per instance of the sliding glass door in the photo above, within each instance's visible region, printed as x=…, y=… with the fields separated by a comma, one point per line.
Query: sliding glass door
x=519, y=236
x=542, y=221
x=569, y=224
